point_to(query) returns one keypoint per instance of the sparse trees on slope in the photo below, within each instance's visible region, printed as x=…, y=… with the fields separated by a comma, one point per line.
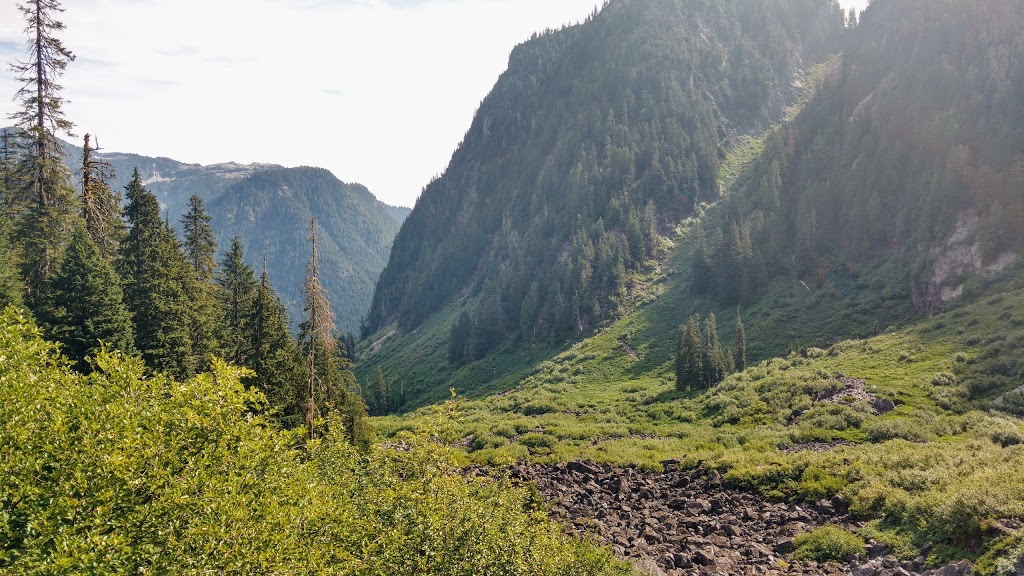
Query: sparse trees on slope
x=85, y=306
x=43, y=199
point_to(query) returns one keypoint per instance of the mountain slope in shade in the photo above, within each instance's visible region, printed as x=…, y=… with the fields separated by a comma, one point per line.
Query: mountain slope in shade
x=595, y=136
x=270, y=207
x=271, y=210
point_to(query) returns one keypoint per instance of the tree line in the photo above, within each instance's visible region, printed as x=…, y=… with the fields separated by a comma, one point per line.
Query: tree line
x=95, y=275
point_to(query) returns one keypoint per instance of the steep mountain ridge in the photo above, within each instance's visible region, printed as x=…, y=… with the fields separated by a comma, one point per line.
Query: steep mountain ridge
x=271, y=209
x=248, y=200
x=595, y=138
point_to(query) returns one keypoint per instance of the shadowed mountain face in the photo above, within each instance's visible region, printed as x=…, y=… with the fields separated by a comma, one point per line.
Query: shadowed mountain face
x=270, y=208
x=595, y=137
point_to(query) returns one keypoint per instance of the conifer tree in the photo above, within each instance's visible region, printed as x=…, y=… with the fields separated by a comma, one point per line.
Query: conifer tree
x=381, y=394
x=200, y=246
x=715, y=360
x=200, y=241
x=101, y=207
x=157, y=277
x=689, y=357
x=236, y=295
x=10, y=282
x=741, y=345
x=85, y=305
x=458, y=338
x=43, y=200
x=330, y=384
x=275, y=358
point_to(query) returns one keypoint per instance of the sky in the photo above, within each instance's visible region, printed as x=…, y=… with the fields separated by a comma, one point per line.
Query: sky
x=380, y=92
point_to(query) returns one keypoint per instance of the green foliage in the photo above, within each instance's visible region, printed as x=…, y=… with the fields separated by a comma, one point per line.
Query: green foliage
x=269, y=209
x=236, y=294
x=84, y=308
x=41, y=195
x=117, y=473
x=701, y=361
x=158, y=281
x=827, y=543
x=595, y=138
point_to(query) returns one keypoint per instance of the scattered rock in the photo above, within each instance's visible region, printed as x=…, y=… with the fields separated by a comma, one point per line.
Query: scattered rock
x=690, y=522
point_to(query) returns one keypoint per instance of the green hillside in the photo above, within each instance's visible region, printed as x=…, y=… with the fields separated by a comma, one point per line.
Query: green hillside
x=595, y=138
x=271, y=211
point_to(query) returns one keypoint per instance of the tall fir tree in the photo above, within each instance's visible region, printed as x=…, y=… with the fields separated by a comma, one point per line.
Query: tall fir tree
x=689, y=357
x=715, y=360
x=44, y=201
x=157, y=281
x=329, y=385
x=381, y=394
x=200, y=241
x=276, y=361
x=236, y=294
x=101, y=207
x=200, y=247
x=741, y=345
x=85, y=305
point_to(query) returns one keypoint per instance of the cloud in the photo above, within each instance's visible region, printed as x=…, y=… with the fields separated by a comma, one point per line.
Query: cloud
x=358, y=86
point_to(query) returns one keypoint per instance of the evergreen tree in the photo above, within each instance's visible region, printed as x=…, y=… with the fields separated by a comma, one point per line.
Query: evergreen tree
x=236, y=294
x=715, y=361
x=381, y=394
x=741, y=345
x=200, y=245
x=156, y=276
x=275, y=361
x=458, y=338
x=10, y=282
x=329, y=384
x=200, y=242
x=689, y=357
x=101, y=207
x=85, y=305
x=43, y=201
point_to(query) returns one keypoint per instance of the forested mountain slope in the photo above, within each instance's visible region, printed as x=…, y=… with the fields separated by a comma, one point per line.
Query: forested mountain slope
x=910, y=158
x=596, y=136
x=271, y=209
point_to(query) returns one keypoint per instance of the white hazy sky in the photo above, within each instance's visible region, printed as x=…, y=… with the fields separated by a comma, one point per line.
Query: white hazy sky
x=378, y=91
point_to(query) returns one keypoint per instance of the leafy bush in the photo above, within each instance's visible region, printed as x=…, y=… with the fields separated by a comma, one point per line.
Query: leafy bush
x=892, y=429
x=827, y=543
x=115, y=473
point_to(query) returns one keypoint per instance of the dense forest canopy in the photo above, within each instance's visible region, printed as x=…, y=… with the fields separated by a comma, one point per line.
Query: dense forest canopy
x=913, y=148
x=595, y=138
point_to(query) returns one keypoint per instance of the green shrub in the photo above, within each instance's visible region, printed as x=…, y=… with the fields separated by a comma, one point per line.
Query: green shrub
x=829, y=543
x=538, y=441
x=119, y=473
x=903, y=428
x=540, y=407
x=1002, y=557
